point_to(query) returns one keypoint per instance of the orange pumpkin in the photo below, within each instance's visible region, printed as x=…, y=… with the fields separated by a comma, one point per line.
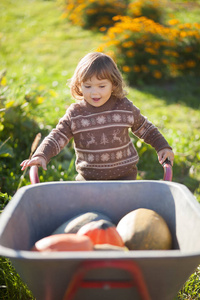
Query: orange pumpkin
x=102, y=232
x=63, y=242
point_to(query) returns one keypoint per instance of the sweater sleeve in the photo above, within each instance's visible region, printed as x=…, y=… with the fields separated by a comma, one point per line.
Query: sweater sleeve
x=56, y=140
x=145, y=130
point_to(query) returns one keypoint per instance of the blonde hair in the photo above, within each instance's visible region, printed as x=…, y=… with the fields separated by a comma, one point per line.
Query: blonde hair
x=103, y=67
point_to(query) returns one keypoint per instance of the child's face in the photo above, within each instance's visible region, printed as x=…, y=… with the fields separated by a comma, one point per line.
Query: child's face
x=96, y=92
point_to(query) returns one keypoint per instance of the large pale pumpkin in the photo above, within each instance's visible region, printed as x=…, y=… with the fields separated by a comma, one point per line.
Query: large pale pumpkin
x=74, y=224
x=102, y=232
x=144, y=229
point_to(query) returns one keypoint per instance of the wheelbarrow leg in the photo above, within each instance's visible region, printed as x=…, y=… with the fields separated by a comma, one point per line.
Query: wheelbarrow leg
x=131, y=267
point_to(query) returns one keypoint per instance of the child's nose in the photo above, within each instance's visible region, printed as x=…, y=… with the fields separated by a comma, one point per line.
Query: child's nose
x=94, y=91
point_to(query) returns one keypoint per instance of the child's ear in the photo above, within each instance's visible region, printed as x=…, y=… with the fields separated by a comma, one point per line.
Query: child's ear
x=113, y=88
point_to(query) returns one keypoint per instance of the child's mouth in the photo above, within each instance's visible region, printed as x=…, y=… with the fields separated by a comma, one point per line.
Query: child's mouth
x=96, y=99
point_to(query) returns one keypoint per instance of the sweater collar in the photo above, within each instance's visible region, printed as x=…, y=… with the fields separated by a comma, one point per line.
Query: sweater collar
x=105, y=107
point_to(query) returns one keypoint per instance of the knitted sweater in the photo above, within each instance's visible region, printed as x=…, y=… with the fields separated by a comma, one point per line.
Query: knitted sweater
x=104, y=150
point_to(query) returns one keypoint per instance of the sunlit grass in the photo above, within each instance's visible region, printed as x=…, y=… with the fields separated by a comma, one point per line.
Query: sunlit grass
x=184, y=11
x=42, y=51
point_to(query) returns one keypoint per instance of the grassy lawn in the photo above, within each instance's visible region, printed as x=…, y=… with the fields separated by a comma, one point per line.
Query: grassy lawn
x=38, y=54
x=41, y=51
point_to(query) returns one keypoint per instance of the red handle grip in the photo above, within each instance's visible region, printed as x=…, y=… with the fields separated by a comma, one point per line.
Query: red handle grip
x=33, y=174
x=168, y=173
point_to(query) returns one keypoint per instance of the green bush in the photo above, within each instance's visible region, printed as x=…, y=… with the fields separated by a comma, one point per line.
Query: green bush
x=186, y=46
x=20, y=128
x=19, y=124
x=151, y=9
x=93, y=14
x=4, y=199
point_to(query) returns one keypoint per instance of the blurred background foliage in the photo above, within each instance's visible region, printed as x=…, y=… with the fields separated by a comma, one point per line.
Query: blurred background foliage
x=146, y=41
x=156, y=45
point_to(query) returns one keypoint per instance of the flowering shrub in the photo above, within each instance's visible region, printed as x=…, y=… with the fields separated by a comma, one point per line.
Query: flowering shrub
x=187, y=45
x=147, y=51
x=92, y=14
x=151, y=9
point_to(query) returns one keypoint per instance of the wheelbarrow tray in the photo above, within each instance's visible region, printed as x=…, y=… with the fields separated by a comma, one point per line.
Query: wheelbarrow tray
x=36, y=211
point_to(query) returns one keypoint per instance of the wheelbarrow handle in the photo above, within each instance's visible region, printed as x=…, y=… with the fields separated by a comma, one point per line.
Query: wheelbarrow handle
x=167, y=166
x=168, y=173
x=33, y=174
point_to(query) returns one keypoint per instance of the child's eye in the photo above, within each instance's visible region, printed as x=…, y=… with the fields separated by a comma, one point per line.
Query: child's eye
x=102, y=86
x=87, y=86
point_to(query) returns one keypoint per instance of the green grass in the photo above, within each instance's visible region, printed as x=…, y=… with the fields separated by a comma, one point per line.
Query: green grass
x=40, y=49
x=184, y=11
x=39, y=52
x=11, y=286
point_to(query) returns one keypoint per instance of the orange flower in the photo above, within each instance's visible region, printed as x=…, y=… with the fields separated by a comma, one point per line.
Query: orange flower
x=153, y=62
x=144, y=69
x=103, y=28
x=130, y=53
x=164, y=61
x=136, y=69
x=174, y=53
x=157, y=74
x=151, y=51
x=126, y=69
x=183, y=34
x=128, y=44
x=173, y=22
x=190, y=63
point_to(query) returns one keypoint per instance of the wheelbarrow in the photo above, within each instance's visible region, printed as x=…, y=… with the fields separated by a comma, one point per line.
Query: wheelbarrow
x=37, y=210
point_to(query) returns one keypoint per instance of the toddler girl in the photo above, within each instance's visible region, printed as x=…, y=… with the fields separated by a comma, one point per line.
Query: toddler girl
x=99, y=123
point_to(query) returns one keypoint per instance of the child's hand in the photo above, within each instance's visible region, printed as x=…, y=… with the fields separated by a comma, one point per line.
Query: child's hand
x=36, y=161
x=164, y=154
